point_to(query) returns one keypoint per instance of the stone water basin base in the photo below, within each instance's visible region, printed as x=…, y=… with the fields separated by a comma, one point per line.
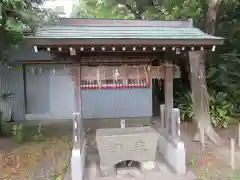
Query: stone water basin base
x=133, y=144
x=161, y=171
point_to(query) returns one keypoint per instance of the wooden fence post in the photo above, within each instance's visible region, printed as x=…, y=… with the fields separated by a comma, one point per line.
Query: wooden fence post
x=176, y=122
x=238, y=134
x=123, y=124
x=162, y=115
x=202, y=138
x=232, y=153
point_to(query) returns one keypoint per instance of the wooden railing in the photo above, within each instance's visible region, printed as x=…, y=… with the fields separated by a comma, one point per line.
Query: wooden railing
x=78, y=131
x=173, y=125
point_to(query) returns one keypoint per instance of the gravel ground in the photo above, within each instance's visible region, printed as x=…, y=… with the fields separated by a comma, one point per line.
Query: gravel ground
x=47, y=168
x=217, y=158
x=68, y=174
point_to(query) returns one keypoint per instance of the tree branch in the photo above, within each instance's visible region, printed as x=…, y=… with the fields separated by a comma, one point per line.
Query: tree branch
x=211, y=16
x=133, y=11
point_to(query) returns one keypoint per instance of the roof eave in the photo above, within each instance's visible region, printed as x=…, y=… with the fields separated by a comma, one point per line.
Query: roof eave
x=87, y=42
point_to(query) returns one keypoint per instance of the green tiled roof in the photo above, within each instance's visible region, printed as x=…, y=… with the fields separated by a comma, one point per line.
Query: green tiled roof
x=120, y=32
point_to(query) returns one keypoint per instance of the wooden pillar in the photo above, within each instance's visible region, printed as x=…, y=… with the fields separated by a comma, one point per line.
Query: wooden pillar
x=78, y=130
x=176, y=123
x=168, y=91
x=162, y=116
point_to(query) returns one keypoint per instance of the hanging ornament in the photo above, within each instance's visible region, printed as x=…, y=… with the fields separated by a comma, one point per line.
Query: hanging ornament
x=177, y=71
x=84, y=84
x=145, y=81
x=53, y=71
x=116, y=74
x=98, y=78
x=33, y=71
x=137, y=76
x=149, y=68
x=40, y=71
x=91, y=84
x=115, y=77
x=148, y=71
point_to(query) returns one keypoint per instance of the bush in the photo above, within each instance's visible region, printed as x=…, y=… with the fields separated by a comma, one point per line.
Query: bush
x=5, y=127
x=35, y=131
x=222, y=110
x=1, y=123
x=22, y=132
x=186, y=106
x=26, y=132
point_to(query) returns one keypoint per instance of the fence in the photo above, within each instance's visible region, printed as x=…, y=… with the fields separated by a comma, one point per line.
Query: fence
x=173, y=125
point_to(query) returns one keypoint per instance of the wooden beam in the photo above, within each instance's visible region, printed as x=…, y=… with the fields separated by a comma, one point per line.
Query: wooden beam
x=123, y=48
x=168, y=92
x=78, y=129
x=124, y=42
x=85, y=63
x=25, y=87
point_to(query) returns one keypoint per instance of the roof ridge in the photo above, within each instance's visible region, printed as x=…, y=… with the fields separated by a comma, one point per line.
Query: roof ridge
x=100, y=26
x=102, y=19
x=123, y=22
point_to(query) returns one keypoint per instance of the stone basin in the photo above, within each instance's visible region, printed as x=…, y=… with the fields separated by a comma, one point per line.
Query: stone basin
x=121, y=144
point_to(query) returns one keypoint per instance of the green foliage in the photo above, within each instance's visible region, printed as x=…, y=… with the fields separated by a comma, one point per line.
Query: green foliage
x=6, y=129
x=18, y=133
x=1, y=124
x=6, y=112
x=101, y=9
x=191, y=162
x=222, y=111
x=6, y=95
x=139, y=9
x=185, y=104
x=18, y=17
x=26, y=132
x=58, y=175
x=172, y=10
x=236, y=175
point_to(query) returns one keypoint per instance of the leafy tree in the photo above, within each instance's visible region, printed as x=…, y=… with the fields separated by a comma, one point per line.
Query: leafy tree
x=18, y=17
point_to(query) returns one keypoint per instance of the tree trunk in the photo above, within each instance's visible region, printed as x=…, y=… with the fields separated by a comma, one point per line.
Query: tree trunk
x=1, y=124
x=200, y=98
x=198, y=82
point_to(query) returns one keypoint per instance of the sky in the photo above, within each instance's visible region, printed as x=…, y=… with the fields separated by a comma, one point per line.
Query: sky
x=67, y=4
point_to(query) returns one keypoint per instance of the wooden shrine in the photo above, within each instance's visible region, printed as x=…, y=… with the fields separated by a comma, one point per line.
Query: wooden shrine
x=118, y=54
